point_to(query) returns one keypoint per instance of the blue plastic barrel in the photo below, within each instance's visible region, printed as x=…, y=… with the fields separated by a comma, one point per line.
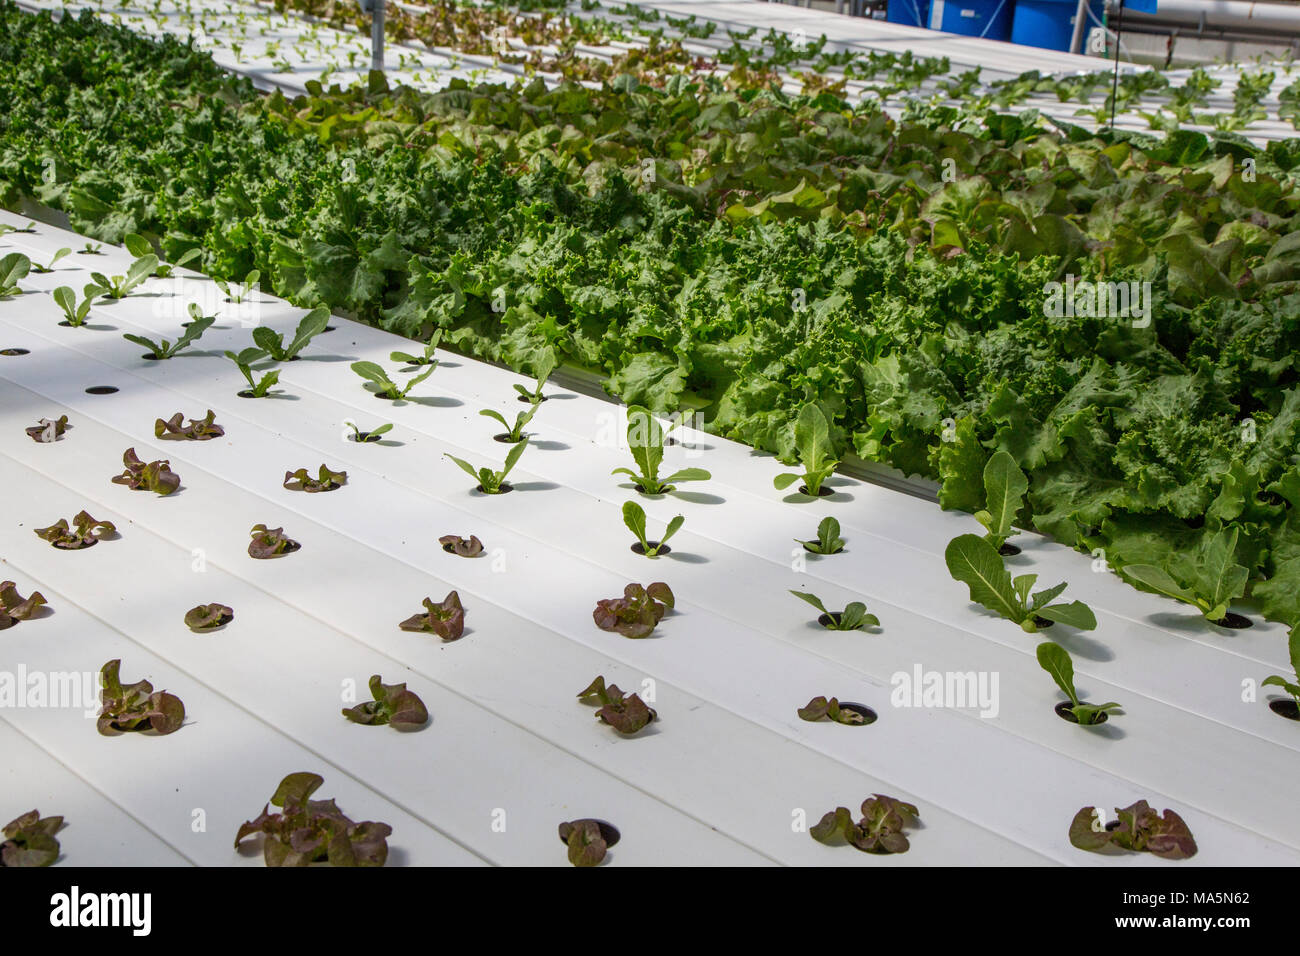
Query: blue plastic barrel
x=990, y=19
x=910, y=13
x=1050, y=23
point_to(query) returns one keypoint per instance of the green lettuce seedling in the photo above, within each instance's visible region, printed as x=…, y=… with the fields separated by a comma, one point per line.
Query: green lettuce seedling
x=49, y=266
x=515, y=432
x=376, y=433
x=244, y=360
x=387, y=388
x=544, y=366
x=1056, y=661
x=92, y=249
x=828, y=538
x=193, y=332
x=490, y=482
x=272, y=342
x=140, y=247
x=425, y=357
x=1210, y=581
x=1004, y=491
x=1293, y=645
x=852, y=618
x=237, y=292
x=645, y=436
x=6, y=228
x=975, y=562
x=66, y=299
x=813, y=443
x=13, y=269
x=634, y=518
x=119, y=287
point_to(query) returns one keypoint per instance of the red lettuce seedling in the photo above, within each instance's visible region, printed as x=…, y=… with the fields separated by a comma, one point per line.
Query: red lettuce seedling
x=155, y=476
x=447, y=619
x=14, y=607
x=1137, y=827
x=393, y=704
x=327, y=480
x=879, y=831
x=470, y=547
x=270, y=542
x=29, y=840
x=199, y=429
x=132, y=706
x=314, y=831
x=208, y=617
x=626, y=713
x=637, y=612
x=819, y=708
x=588, y=840
x=47, y=431
x=88, y=531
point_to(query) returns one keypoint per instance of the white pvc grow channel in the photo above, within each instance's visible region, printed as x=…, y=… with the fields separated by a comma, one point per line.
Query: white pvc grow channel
x=727, y=772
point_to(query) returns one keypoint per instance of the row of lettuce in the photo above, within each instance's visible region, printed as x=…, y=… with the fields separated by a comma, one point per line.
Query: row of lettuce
x=931, y=282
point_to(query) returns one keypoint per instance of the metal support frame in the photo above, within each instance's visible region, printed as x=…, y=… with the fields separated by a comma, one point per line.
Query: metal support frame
x=376, y=10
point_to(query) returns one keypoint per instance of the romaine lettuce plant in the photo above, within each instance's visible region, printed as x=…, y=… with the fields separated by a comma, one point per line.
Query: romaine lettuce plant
x=976, y=563
x=543, y=367
x=446, y=619
x=326, y=480
x=1005, y=486
x=272, y=342
x=588, y=840
x=1137, y=827
x=879, y=831
x=634, y=518
x=645, y=436
x=1293, y=645
x=244, y=360
x=425, y=357
x=140, y=247
x=493, y=482
x=310, y=831
x=14, y=607
x=852, y=618
x=119, y=287
x=85, y=531
x=92, y=249
x=1210, y=580
x=637, y=612
x=626, y=713
x=393, y=704
x=270, y=542
x=376, y=433
x=236, y=292
x=812, y=441
x=515, y=432
x=29, y=841
x=49, y=266
x=828, y=539
x=208, y=617
x=5, y=228
x=46, y=431
x=199, y=429
x=385, y=386
x=136, y=706
x=156, y=476
x=470, y=547
x=13, y=269
x=165, y=349
x=1056, y=661
x=820, y=708
x=73, y=313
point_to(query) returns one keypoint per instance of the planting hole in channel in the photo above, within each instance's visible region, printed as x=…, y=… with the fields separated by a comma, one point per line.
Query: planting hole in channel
x=528, y=400
x=663, y=548
x=822, y=492
x=505, y=488
x=1235, y=622
x=15, y=351
x=1063, y=711
x=1285, y=708
x=868, y=715
x=505, y=439
x=1008, y=550
x=101, y=390
x=608, y=832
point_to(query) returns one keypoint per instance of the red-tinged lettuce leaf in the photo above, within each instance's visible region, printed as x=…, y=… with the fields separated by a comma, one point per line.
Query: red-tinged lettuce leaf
x=126, y=707
x=29, y=841
x=84, y=532
x=1086, y=831
x=48, y=431
x=166, y=714
x=393, y=704
x=637, y=612
x=326, y=480
x=836, y=823
x=269, y=542
x=627, y=715
x=815, y=710
x=470, y=547
x=587, y=847
x=198, y=429
x=881, y=828
x=14, y=607
x=156, y=476
x=208, y=617
x=446, y=619
x=313, y=831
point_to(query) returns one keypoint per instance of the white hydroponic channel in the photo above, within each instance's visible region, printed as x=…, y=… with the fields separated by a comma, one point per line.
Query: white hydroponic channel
x=728, y=772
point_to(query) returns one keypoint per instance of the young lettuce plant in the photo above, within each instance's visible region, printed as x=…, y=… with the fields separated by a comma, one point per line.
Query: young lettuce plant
x=515, y=432
x=49, y=266
x=493, y=482
x=852, y=714
x=588, y=840
x=270, y=542
x=119, y=287
x=140, y=247
x=879, y=831
x=637, y=612
x=645, y=437
x=393, y=705
x=1209, y=581
x=272, y=342
x=13, y=269
x=446, y=619
x=544, y=366
x=634, y=518
x=66, y=299
x=812, y=441
x=236, y=292
x=244, y=360
x=1137, y=828
x=470, y=547
x=828, y=539
x=29, y=841
x=314, y=831
x=46, y=431
x=199, y=429
x=626, y=713
x=425, y=357
x=386, y=387
x=136, y=706
x=88, y=532
x=1056, y=661
x=376, y=433
x=165, y=349
x=976, y=563
x=1276, y=680
x=326, y=480
x=14, y=607
x=1005, y=486
x=208, y=617
x=156, y=476
x=852, y=618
